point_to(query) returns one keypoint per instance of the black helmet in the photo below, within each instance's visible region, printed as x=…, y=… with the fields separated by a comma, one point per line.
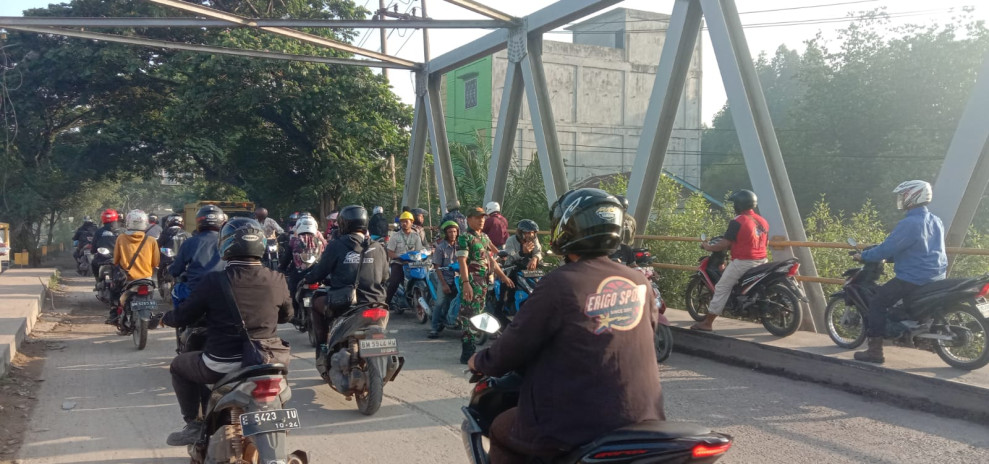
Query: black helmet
x=586, y=221
x=242, y=238
x=153, y=218
x=209, y=217
x=453, y=205
x=623, y=201
x=526, y=225
x=743, y=200
x=352, y=219
x=174, y=220
x=261, y=213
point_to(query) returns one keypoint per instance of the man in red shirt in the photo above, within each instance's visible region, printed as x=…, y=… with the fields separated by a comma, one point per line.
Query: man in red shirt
x=496, y=226
x=747, y=237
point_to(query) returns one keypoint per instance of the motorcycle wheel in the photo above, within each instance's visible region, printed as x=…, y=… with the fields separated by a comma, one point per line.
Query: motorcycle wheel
x=698, y=298
x=369, y=400
x=967, y=324
x=846, y=323
x=140, y=333
x=781, y=314
x=165, y=290
x=663, y=340
x=311, y=331
x=417, y=292
x=302, y=322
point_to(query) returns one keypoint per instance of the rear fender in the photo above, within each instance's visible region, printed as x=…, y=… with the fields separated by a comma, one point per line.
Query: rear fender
x=471, y=433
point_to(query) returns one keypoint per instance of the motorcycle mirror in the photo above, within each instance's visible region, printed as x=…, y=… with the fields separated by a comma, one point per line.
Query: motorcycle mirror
x=103, y=250
x=168, y=252
x=485, y=323
x=852, y=242
x=703, y=237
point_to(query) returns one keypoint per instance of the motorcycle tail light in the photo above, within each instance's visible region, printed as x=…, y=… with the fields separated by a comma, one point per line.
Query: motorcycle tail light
x=267, y=389
x=982, y=293
x=793, y=270
x=143, y=290
x=313, y=286
x=375, y=313
x=706, y=450
x=481, y=386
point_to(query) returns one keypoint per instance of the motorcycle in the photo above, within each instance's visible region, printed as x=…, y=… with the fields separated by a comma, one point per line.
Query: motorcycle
x=767, y=292
x=270, y=257
x=165, y=279
x=357, y=360
x=525, y=282
x=136, y=316
x=303, y=300
x=652, y=441
x=84, y=257
x=414, y=293
x=104, y=285
x=948, y=317
x=663, y=339
x=245, y=419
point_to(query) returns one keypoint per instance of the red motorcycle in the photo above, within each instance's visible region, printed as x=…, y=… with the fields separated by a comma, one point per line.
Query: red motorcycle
x=768, y=292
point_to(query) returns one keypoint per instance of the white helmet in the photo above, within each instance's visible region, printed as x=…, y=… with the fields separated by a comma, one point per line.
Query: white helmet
x=378, y=210
x=332, y=216
x=306, y=225
x=492, y=207
x=137, y=221
x=911, y=194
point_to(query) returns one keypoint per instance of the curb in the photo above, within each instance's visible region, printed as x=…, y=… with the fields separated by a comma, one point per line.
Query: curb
x=938, y=396
x=19, y=314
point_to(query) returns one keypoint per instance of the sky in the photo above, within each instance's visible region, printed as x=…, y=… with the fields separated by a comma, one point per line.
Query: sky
x=771, y=23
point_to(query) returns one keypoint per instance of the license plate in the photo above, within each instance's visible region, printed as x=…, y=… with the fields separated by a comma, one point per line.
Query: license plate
x=378, y=347
x=143, y=304
x=983, y=308
x=307, y=302
x=254, y=423
x=532, y=274
x=418, y=265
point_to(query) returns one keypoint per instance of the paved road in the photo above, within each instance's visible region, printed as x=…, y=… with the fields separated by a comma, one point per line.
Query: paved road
x=103, y=401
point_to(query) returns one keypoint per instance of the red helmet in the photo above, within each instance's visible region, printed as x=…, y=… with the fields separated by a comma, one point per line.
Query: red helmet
x=109, y=216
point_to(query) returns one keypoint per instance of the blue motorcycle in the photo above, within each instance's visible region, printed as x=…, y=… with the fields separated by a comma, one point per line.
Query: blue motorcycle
x=525, y=282
x=417, y=291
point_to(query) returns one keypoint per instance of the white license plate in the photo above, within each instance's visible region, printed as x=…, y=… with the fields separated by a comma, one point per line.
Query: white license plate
x=142, y=304
x=418, y=265
x=378, y=347
x=254, y=423
x=983, y=308
x=307, y=302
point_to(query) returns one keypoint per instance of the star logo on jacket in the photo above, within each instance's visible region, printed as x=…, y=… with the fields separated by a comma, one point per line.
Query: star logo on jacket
x=617, y=305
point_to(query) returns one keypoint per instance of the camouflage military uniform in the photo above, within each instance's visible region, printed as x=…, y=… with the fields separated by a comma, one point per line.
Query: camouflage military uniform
x=475, y=246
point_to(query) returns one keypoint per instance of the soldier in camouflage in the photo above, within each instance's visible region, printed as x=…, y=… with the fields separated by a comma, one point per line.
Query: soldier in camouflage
x=476, y=265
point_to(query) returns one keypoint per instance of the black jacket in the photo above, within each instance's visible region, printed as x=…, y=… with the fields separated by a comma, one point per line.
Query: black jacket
x=339, y=263
x=262, y=297
x=378, y=225
x=86, y=230
x=106, y=237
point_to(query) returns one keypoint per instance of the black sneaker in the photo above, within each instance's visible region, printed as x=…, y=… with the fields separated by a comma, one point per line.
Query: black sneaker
x=433, y=334
x=189, y=435
x=112, y=319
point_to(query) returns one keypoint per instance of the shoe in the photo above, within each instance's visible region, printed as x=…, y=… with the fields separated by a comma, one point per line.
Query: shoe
x=452, y=326
x=189, y=435
x=433, y=334
x=466, y=351
x=440, y=330
x=873, y=354
x=112, y=319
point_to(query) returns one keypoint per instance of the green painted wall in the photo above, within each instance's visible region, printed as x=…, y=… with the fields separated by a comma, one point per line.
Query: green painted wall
x=462, y=123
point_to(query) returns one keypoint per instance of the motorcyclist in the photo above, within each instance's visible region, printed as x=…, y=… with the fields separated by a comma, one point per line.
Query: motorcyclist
x=453, y=214
x=443, y=257
x=378, y=225
x=747, y=237
x=418, y=223
x=332, y=229
x=136, y=254
x=174, y=234
x=496, y=226
x=83, y=237
x=106, y=237
x=625, y=253
x=199, y=254
x=306, y=240
x=524, y=244
x=154, y=229
x=271, y=228
x=262, y=301
x=586, y=348
x=916, y=247
x=404, y=240
x=340, y=263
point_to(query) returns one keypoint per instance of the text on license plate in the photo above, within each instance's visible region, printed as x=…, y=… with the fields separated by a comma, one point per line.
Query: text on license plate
x=418, y=265
x=257, y=422
x=143, y=304
x=983, y=308
x=378, y=347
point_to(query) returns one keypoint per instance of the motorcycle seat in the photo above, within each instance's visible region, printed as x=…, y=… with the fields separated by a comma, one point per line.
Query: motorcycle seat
x=647, y=431
x=940, y=286
x=768, y=267
x=135, y=283
x=251, y=371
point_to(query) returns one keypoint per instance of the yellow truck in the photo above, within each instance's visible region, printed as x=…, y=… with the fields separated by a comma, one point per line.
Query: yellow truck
x=231, y=208
x=5, y=249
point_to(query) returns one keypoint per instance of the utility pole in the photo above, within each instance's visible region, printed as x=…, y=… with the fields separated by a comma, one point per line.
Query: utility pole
x=384, y=38
x=425, y=35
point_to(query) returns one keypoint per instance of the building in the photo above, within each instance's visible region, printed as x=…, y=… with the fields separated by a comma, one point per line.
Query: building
x=600, y=87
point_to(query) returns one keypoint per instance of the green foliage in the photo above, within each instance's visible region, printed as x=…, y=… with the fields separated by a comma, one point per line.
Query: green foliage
x=825, y=225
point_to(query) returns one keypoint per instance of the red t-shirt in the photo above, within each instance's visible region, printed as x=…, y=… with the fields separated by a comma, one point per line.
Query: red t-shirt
x=496, y=226
x=749, y=234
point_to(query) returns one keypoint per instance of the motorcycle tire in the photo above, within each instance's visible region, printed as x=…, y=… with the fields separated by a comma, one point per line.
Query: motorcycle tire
x=780, y=314
x=311, y=332
x=697, y=298
x=140, y=333
x=663, y=340
x=369, y=401
x=846, y=323
x=976, y=351
x=417, y=292
x=301, y=322
x=165, y=290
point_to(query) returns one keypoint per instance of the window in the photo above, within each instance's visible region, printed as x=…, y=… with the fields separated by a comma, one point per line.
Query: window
x=470, y=93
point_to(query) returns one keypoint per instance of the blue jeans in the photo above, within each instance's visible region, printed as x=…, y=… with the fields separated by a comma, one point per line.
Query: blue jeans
x=447, y=307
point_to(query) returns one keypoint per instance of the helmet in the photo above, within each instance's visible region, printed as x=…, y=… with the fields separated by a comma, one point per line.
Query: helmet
x=210, y=217
x=242, y=238
x=913, y=193
x=743, y=200
x=137, y=220
x=418, y=212
x=153, y=218
x=448, y=224
x=407, y=215
x=261, y=214
x=492, y=207
x=526, y=225
x=586, y=221
x=333, y=216
x=87, y=220
x=452, y=205
x=306, y=225
x=174, y=220
x=352, y=219
x=306, y=214
x=623, y=201
x=377, y=210
x=110, y=215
